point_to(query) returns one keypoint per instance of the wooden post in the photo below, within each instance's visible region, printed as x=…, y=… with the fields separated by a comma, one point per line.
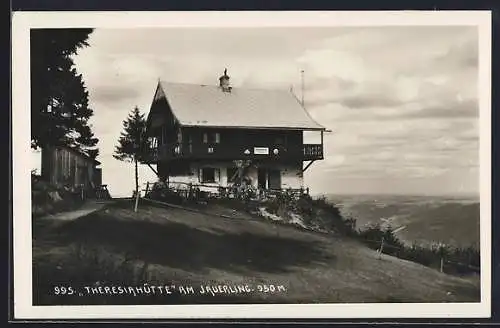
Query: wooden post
x=82, y=195
x=137, y=200
x=442, y=265
x=381, y=249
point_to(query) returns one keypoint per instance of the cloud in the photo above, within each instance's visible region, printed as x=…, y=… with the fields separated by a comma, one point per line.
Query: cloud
x=111, y=94
x=427, y=73
x=369, y=100
x=463, y=54
x=444, y=110
x=469, y=108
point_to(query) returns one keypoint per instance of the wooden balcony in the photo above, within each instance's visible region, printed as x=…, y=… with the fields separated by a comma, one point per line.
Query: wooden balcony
x=313, y=152
x=150, y=156
x=175, y=151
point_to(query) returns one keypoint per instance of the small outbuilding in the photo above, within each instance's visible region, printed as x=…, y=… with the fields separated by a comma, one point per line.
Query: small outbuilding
x=62, y=165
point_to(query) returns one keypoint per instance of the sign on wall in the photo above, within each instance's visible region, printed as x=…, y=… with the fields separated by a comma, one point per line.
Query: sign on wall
x=261, y=151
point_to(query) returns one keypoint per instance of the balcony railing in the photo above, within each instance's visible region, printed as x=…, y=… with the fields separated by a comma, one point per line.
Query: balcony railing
x=313, y=151
x=227, y=152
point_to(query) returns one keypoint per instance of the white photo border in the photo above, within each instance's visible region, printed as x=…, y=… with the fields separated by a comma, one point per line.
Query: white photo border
x=22, y=22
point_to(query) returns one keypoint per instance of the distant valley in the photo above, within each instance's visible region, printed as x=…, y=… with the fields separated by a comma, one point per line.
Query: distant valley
x=421, y=219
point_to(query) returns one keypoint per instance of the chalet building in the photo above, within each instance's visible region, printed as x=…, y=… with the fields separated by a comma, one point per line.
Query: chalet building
x=210, y=135
x=70, y=167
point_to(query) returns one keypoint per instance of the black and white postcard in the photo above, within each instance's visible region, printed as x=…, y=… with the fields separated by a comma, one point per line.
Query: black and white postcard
x=251, y=164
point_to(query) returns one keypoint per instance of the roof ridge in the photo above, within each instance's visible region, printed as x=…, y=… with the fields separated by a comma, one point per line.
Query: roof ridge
x=217, y=86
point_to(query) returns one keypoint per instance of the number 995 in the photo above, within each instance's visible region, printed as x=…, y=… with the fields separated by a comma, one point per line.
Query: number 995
x=62, y=290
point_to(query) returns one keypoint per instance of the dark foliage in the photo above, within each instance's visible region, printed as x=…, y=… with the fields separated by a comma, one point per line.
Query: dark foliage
x=59, y=99
x=317, y=213
x=43, y=198
x=161, y=193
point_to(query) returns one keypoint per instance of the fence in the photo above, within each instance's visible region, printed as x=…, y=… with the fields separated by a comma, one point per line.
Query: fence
x=444, y=265
x=203, y=191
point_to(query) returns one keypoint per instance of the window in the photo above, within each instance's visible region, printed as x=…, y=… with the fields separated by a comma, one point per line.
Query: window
x=213, y=137
x=154, y=142
x=190, y=143
x=209, y=174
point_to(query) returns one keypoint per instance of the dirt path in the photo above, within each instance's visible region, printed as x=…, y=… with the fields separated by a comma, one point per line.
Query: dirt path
x=87, y=208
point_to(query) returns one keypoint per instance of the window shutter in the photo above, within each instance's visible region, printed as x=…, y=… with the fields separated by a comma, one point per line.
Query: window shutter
x=217, y=137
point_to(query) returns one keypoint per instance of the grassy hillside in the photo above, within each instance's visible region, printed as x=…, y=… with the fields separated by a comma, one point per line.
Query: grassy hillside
x=175, y=247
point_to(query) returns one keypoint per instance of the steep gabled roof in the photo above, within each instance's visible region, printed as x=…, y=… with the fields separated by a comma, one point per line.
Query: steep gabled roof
x=209, y=106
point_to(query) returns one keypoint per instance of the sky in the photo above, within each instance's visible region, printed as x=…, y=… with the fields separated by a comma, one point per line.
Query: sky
x=401, y=101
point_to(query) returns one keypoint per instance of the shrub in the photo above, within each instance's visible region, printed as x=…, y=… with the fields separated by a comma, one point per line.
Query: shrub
x=315, y=213
x=161, y=192
x=47, y=198
x=331, y=218
x=281, y=204
x=373, y=236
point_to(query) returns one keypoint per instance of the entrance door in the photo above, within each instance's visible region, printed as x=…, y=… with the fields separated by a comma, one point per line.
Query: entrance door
x=262, y=178
x=274, y=179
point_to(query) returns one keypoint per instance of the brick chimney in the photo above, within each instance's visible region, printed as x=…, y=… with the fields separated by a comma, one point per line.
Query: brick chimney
x=224, y=82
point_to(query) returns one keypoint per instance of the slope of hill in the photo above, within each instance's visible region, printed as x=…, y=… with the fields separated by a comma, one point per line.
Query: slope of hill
x=178, y=247
x=421, y=219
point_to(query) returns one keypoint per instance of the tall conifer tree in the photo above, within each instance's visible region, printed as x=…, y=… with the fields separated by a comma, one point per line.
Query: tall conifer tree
x=59, y=99
x=132, y=140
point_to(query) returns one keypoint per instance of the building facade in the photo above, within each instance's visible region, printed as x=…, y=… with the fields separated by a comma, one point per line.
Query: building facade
x=216, y=135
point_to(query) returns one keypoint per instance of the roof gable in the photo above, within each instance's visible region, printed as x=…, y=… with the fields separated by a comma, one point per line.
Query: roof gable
x=209, y=106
